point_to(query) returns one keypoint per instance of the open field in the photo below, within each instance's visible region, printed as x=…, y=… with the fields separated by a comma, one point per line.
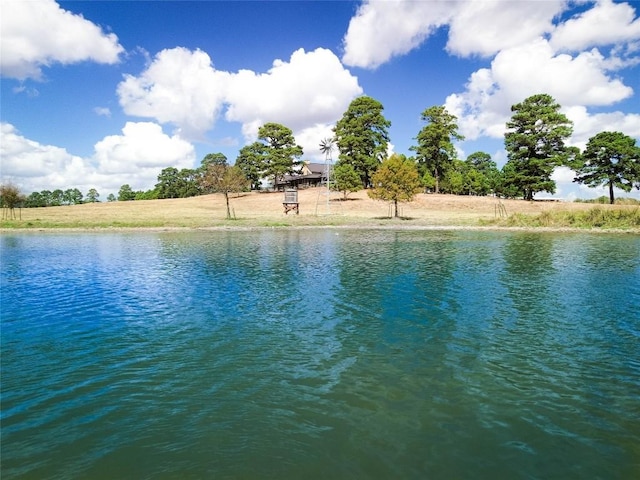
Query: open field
x=265, y=209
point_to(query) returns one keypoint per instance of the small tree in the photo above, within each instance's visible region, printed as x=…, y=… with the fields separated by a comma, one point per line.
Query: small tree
x=125, y=193
x=36, y=199
x=72, y=196
x=10, y=198
x=57, y=197
x=428, y=182
x=92, y=196
x=489, y=179
x=169, y=183
x=453, y=179
x=612, y=159
x=221, y=178
x=396, y=180
x=345, y=179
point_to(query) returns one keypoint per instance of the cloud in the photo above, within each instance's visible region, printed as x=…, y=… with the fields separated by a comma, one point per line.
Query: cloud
x=522, y=71
x=534, y=52
x=579, y=80
x=381, y=30
x=140, y=153
x=569, y=190
x=102, y=111
x=136, y=157
x=181, y=87
x=587, y=125
x=311, y=88
x=40, y=33
x=607, y=23
x=487, y=27
x=309, y=139
x=31, y=165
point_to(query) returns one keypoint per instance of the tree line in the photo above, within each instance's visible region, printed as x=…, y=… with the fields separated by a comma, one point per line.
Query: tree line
x=534, y=141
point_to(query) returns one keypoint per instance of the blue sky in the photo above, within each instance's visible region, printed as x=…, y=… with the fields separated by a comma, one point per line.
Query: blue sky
x=99, y=94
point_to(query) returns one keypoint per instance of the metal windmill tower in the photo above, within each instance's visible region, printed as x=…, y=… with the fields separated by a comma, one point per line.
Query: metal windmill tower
x=327, y=145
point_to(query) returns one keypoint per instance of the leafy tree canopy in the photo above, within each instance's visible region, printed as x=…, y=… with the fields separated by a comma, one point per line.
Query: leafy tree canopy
x=345, y=179
x=396, y=180
x=535, y=144
x=92, y=196
x=611, y=159
x=221, y=178
x=362, y=136
x=125, y=193
x=435, y=151
x=250, y=161
x=279, y=153
x=213, y=159
x=10, y=197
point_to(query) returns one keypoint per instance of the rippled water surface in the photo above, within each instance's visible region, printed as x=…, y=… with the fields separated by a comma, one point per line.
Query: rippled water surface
x=320, y=354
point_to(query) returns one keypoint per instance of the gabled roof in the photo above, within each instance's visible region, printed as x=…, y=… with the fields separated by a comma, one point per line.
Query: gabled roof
x=316, y=167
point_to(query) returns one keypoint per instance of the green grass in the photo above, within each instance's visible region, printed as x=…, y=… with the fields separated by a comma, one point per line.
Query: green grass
x=596, y=217
x=605, y=200
x=47, y=224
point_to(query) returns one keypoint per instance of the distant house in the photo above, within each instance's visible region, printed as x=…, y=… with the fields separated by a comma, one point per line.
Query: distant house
x=310, y=175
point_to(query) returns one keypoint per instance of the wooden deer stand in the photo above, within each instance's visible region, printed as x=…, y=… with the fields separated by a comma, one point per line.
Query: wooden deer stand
x=290, y=201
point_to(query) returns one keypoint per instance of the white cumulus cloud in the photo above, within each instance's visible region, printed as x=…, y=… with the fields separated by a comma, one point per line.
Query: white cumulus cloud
x=519, y=72
x=311, y=88
x=309, y=139
x=33, y=166
x=586, y=124
x=533, y=49
x=181, y=87
x=607, y=23
x=140, y=153
x=383, y=29
x=135, y=157
x=39, y=33
x=571, y=80
x=486, y=27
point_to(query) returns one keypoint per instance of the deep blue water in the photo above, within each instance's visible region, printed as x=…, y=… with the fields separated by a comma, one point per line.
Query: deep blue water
x=320, y=354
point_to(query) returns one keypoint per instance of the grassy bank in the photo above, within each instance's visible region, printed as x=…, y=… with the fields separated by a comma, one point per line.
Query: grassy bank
x=266, y=210
x=619, y=219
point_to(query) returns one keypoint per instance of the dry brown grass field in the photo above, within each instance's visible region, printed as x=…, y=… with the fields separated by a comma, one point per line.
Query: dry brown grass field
x=260, y=209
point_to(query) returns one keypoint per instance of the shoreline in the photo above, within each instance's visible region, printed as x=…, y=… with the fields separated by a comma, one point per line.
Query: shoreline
x=253, y=228
x=264, y=211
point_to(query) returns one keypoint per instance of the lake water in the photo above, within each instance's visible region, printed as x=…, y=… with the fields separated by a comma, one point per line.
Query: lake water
x=320, y=354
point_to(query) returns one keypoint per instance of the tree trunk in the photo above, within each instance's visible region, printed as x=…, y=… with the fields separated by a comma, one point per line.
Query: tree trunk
x=226, y=197
x=611, y=199
x=395, y=204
